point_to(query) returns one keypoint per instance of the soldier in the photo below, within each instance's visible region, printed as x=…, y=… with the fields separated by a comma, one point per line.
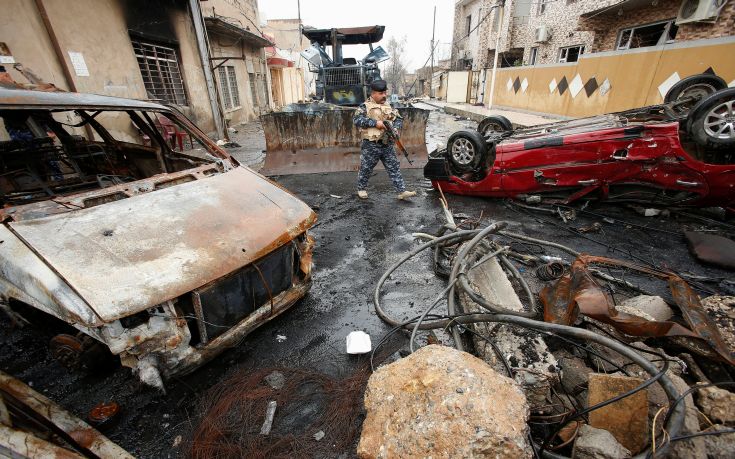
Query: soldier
x=376, y=145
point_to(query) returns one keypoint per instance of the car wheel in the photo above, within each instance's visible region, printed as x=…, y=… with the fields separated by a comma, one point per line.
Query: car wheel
x=67, y=349
x=712, y=121
x=495, y=123
x=697, y=86
x=466, y=150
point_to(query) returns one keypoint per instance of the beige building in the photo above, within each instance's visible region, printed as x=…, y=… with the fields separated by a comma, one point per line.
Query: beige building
x=238, y=58
x=145, y=49
x=123, y=48
x=291, y=80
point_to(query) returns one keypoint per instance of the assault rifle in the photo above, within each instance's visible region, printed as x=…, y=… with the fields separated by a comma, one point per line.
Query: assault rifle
x=394, y=135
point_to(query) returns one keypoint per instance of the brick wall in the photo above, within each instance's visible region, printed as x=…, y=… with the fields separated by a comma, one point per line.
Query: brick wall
x=606, y=27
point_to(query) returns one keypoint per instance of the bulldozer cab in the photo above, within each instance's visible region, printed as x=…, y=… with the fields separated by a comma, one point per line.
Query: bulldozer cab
x=340, y=80
x=320, y=136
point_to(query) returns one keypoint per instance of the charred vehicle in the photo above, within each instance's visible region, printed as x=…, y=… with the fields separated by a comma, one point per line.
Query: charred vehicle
x=164, y=257
x=342, y=83
x=681, y=152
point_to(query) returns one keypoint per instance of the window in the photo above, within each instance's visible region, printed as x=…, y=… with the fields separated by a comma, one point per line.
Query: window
x=253, y=91
x=469, y=24
x=534, y=55
x=159, y=67
x=657, y=33
x=228, y=86
x=257, y=89
x=542, y=6
x=570, y=53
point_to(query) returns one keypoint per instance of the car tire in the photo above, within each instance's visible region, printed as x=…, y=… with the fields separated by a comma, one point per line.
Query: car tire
x=494, y=123
x=701, y=85
x=466, y=151
x=711, y=122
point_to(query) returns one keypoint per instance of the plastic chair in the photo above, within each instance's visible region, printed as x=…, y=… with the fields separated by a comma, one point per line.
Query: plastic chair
x=170, y=130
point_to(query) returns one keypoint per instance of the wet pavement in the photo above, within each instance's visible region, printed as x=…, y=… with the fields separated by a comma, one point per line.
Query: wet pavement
x=356, y=242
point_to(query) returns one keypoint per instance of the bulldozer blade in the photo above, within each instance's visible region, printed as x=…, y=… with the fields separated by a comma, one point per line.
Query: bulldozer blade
x=312, y=138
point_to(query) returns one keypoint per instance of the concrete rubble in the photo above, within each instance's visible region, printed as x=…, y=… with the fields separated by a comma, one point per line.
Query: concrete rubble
x=647, y=306
x=452, y=404
x=523, y=349
x=720, y=446
x=595, y=443
x=626, y=419
x=717, y=404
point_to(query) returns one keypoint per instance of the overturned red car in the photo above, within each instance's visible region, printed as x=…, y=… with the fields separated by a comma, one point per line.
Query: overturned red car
x=681, y=152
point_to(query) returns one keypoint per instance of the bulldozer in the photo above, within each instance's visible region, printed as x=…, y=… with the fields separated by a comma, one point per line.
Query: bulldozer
x=319, y=136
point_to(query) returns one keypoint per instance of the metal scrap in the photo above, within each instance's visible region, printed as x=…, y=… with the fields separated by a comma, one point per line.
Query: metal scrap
x=22, y=438
x=579, y=293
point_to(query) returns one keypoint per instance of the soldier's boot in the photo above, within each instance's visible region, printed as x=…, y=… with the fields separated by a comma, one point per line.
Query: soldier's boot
x=362, y=194
x=406, y=194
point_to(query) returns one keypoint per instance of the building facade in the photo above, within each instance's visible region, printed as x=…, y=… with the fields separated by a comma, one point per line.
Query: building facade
x=134, y=49
x=145, y=49
x=239, y=62
x=533, y=32
x=290, y=76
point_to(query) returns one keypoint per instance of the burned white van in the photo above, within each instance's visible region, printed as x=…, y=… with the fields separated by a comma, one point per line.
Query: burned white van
x=121, y=218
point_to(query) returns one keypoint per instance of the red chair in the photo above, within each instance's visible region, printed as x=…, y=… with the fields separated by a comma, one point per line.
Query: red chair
x=171, y=131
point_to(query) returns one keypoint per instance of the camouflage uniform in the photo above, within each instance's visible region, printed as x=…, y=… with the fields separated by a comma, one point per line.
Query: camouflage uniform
x=381, y=150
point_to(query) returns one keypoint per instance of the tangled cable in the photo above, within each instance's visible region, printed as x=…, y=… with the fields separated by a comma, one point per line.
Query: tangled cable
x=472, y=254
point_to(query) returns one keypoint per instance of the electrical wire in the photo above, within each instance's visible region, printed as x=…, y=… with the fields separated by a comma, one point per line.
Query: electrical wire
x=676, y=403
x=423, y=315
x=455, y=322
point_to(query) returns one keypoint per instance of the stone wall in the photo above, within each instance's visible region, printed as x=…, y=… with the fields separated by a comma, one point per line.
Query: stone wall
x=567, y=28
x=562, y=19
x=518, y=27
x=473, y=42
x=605, y=27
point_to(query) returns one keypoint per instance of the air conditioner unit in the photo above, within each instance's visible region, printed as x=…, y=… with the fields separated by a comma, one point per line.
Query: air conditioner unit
x=543, y=33
x=699, y=10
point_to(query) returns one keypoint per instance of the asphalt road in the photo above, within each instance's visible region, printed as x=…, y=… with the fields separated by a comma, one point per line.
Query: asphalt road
x=356, y=241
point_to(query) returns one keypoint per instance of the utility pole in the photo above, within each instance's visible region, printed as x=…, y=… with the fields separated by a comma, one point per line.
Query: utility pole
x=499, y=11
x=431, y=77
x=301, y=40
x=200, y=32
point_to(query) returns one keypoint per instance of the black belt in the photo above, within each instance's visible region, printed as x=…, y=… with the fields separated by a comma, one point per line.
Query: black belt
x=381, y=142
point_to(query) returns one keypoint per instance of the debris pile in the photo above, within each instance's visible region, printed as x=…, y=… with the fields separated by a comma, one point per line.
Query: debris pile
x=615, y=358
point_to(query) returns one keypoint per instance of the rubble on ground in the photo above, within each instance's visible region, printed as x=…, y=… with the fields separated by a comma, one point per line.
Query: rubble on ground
x=717, y=404
x=626, y=419
x=523, y=349
x=595, y=443
x=452, y=404
x=674, y=335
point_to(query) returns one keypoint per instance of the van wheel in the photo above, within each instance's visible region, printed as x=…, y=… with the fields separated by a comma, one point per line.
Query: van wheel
x=67, y=349
x=494, y=123
x=80, y=352
x=712, y=121
x=466, y=150
x=697, y=86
